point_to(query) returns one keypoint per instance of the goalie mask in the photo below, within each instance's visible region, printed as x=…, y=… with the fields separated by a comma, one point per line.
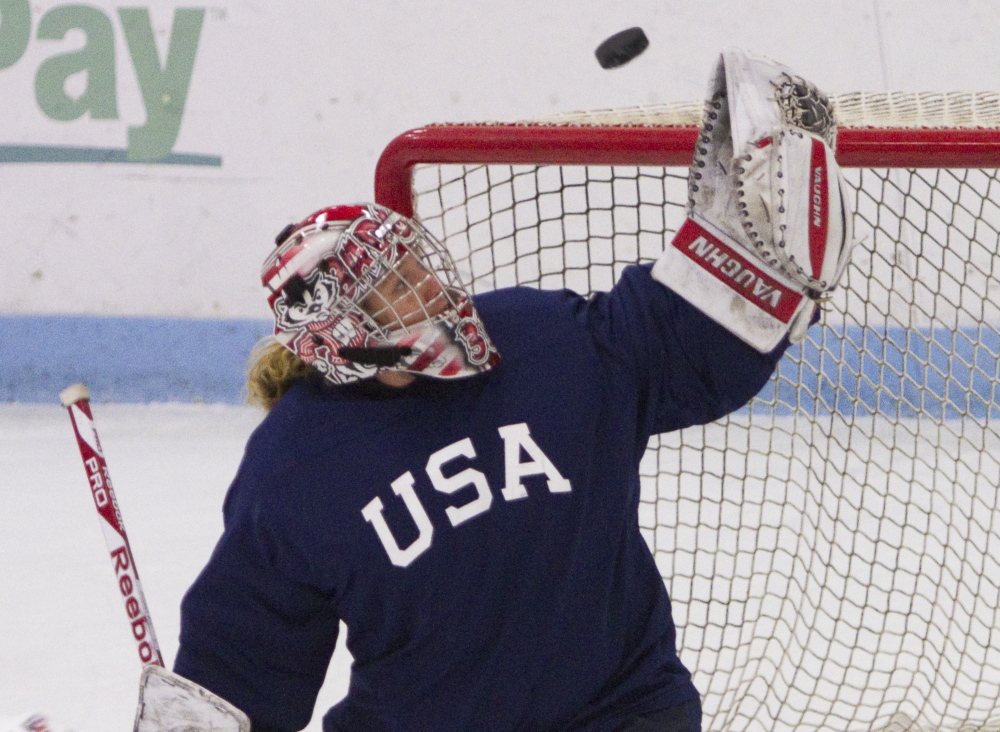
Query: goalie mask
x=361, y=289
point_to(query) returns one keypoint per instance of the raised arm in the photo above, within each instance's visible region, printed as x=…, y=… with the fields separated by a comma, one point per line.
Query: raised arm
x=768, y=236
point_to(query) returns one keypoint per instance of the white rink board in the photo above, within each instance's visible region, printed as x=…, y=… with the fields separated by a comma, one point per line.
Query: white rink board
x=298, y=99
x=285, y=108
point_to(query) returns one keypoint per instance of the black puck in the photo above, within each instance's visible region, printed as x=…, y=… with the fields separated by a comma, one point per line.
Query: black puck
x=621, y=48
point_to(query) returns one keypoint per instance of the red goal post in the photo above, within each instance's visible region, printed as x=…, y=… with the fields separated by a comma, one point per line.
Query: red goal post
x=832, y=551
x=564, y=144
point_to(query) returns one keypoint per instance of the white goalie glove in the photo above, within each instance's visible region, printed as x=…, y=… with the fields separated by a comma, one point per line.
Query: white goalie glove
x=770, y=228
x=171, y=703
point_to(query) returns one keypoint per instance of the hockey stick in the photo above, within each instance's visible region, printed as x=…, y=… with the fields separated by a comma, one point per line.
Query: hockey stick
x=166, y=701
x=76, y=399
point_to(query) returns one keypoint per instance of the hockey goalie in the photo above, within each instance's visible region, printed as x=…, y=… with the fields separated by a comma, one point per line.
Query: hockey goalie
x=455, y=477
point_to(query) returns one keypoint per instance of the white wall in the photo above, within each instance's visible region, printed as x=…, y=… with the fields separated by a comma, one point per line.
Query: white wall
x=299, y=98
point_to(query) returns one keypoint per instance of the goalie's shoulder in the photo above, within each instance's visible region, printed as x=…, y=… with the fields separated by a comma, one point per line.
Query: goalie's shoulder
x=521, y=310
x=522, y=299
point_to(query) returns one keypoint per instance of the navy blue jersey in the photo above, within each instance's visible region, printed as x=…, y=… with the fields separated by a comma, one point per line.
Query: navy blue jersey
x=479, y=537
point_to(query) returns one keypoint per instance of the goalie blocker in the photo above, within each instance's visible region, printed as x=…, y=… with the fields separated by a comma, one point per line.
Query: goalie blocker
x=171, y=703
x=769, y=229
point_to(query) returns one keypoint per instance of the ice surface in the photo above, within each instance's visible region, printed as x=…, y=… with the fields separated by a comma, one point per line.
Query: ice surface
x=65, y=646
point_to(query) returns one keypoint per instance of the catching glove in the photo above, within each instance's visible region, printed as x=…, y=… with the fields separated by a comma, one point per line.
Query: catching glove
x=769, y=231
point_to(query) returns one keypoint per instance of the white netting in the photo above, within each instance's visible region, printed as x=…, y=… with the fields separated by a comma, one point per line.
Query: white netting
x=953, y=110
x=833, y=550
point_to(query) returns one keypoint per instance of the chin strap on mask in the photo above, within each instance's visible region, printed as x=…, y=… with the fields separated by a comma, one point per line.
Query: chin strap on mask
x=382, y=356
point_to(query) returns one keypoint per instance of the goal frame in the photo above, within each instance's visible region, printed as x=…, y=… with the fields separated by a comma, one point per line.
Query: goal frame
x=753, y=649
x=582, y=144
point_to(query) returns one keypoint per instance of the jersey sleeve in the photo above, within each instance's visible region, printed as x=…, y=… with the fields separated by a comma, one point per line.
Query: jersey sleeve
x=684, y=368
x=254, y=630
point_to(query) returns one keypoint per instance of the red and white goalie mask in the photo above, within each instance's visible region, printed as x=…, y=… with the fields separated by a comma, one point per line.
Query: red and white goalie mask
x=361, y=289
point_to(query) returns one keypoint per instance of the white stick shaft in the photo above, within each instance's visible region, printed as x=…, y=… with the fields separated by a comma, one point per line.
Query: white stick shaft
x=77, y=400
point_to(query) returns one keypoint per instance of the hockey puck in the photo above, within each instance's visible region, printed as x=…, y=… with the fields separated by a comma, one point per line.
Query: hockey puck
x=621, y=48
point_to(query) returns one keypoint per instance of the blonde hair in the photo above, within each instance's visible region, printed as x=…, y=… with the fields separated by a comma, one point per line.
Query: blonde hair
x=271, y=369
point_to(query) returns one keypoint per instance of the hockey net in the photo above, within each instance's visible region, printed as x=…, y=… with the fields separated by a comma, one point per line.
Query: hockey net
x=832, y=550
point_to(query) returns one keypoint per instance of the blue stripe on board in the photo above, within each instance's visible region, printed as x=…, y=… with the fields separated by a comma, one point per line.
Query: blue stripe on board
x=896, y=373
x=126, y=359
x=69, y=154
x=942, y=374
